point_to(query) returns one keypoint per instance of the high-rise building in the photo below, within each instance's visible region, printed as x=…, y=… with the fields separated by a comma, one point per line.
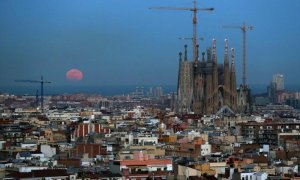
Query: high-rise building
x=206, y=87
x=276, y=85
x=150, y=94
x=278, y=80
x=158, y=92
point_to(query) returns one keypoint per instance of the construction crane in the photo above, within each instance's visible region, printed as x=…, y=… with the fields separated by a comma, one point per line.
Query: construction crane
x=186, y=38
x=244, y=29
x=194, y=10
x=42, y=88
x=37, y=98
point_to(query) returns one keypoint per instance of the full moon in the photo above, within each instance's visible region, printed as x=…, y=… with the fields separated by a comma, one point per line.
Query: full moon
x=74, y=74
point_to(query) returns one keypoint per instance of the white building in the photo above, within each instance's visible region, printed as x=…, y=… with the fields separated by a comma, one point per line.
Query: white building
x=261, y=176
x=144, y=140
x=48, y=151
x=278, y=80
x=205, y=149
x=247, y=175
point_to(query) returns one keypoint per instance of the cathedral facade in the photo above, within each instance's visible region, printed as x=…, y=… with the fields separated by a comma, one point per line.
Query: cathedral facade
x=204, y=86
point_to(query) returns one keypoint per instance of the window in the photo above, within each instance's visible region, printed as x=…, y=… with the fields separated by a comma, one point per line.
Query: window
x=127, y=157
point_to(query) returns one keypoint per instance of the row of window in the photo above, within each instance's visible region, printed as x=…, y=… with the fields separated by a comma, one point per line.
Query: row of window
x=271, y=127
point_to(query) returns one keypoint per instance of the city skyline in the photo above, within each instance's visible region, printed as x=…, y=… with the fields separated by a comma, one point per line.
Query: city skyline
x=124, y=43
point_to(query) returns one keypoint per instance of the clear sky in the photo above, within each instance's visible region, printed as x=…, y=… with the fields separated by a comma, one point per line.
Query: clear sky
x=122, y=42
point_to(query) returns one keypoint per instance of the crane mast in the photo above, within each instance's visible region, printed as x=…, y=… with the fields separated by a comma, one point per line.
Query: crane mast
x=244, y=29
x=195, y=34
x=195, y=10
x=42, y=88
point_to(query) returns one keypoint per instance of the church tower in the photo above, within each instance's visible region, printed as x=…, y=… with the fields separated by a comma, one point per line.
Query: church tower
x=209, y=87
x=198, y=98
x=185, y=83
x=215, y=78
x=208, y=84
x=233, y=94
x=226, y=87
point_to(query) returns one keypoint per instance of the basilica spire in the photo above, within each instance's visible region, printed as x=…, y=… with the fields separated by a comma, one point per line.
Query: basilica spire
x=233, y=83
x=226, y=52
x=214, y=51
x=180, y=56
x=232, y=60
x=226, y=75
x=185, y=52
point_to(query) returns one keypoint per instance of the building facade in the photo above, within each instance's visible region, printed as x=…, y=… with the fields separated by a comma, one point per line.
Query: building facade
x=278, y=80
x=205, y=87
x=267, y=132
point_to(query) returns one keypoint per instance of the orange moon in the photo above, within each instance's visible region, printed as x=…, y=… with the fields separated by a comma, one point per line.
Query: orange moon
x=74, y=74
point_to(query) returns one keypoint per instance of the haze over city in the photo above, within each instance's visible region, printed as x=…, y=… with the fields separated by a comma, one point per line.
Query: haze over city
x=149, y=89
x=117, y=42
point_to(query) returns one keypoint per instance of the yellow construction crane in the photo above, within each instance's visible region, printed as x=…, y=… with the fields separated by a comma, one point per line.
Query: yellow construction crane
x=194, y=10
x=244, y=29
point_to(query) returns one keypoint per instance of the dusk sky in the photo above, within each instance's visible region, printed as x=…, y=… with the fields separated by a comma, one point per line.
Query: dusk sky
x=122, y=42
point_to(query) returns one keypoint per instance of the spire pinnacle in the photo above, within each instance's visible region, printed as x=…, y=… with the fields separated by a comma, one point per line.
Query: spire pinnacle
x=185, y=52
x=226, y=52
x=180, y=56
x=208, y=54
x=214, y=51
x=226, y=46
x=232, y=56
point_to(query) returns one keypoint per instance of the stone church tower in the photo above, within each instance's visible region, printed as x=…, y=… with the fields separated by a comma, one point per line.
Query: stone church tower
x=207, y=87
